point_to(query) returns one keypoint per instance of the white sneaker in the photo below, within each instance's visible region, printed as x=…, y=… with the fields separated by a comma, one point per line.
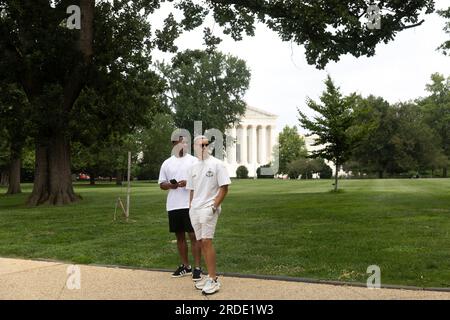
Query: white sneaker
x=211, y=286
x=201, y=283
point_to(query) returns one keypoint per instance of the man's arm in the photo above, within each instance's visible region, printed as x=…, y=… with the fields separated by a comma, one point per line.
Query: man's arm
x=191, y=196
x=163, y=179
x=223, y=190
x=167, y=185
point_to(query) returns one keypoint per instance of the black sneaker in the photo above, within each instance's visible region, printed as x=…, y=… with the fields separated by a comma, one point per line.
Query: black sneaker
x=197, y=274
x=182, y=271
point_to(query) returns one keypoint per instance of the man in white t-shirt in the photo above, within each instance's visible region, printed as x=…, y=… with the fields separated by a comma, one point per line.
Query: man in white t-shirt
x=172, y=177
x=208, y=181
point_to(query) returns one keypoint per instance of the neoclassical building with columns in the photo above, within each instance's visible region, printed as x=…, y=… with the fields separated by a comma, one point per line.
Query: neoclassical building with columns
x=255, y=137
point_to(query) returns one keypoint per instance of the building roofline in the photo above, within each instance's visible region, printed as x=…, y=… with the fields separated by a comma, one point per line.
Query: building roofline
x=266, y=113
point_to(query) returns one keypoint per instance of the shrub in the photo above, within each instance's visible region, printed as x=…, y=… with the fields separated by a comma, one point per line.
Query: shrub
x=297, y=167
x=242, y=172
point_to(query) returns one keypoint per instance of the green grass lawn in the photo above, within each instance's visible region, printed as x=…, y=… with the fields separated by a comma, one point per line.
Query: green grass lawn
x=268, y=227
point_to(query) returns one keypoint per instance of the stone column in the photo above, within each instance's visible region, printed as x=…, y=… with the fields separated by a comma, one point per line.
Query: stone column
x=262, y=145
x=243, y=143
x=269, y=144
x=254, y=147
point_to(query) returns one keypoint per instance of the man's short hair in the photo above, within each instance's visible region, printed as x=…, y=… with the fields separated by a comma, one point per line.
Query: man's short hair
x=200, y=138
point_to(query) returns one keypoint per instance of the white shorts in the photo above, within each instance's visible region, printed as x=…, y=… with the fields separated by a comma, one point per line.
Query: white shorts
x=204, y=222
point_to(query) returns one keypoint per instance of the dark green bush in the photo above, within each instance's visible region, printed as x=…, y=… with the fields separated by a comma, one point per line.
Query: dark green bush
x=242, y=172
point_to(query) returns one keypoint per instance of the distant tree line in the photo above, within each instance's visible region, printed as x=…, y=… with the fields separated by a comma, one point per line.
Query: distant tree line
x=370, y=137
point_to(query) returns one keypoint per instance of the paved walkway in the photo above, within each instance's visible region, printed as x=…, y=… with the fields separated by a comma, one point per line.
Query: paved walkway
x=24, y=279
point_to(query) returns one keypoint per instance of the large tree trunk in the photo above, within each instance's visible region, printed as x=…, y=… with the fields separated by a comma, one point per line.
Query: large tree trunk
x=14, y=174
x=53, y=182
x=41, y=177
x=4, y=178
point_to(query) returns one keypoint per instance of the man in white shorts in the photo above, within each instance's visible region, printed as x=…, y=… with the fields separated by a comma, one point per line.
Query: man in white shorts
x=172, y=177
x=208, y=181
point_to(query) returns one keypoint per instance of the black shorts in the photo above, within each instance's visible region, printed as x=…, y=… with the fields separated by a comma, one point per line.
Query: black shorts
x=179, y=221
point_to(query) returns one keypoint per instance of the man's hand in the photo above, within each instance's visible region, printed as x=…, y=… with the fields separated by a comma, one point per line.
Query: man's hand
x=223, y=190
x=182, y=184
x=167, y=186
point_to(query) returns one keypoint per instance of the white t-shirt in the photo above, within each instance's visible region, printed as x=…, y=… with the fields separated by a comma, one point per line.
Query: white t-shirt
x=205, y=178
x=178, y=169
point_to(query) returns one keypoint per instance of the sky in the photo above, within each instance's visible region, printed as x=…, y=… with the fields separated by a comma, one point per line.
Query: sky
x=282, y=80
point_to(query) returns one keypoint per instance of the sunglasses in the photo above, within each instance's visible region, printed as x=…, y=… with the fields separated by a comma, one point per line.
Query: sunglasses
x=203, y=145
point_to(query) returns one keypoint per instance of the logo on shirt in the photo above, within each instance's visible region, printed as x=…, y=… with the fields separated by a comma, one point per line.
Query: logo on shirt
x=209, y=174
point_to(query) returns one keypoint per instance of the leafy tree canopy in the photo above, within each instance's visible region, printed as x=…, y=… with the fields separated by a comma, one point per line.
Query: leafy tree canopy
x=333, y=125
x=445, y=47
x=291, y=147
x=327, y=28
x=207, y=87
